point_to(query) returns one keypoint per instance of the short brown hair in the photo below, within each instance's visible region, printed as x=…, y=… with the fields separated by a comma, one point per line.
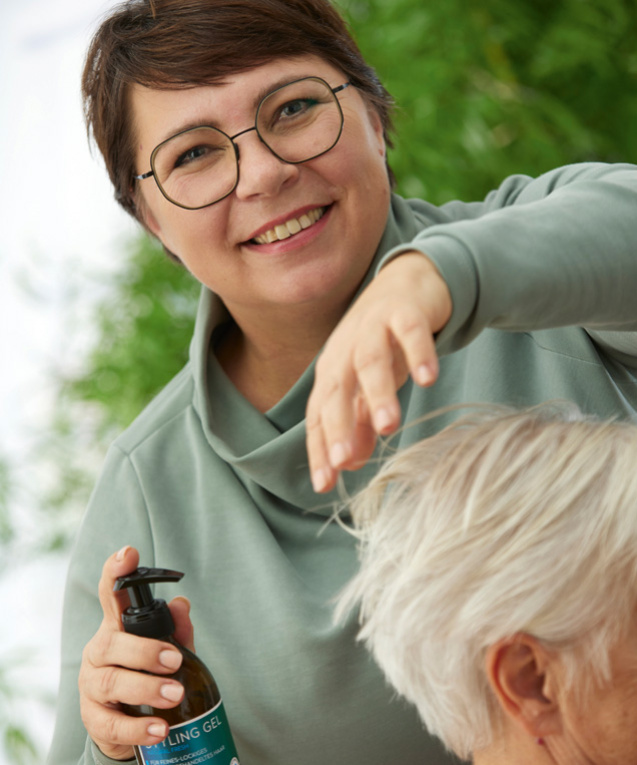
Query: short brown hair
x=182, y=43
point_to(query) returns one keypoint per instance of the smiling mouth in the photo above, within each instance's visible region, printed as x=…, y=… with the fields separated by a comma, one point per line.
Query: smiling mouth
x=290, y=227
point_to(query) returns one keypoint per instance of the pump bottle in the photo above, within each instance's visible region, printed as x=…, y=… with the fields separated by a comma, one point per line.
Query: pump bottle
x=199, y=731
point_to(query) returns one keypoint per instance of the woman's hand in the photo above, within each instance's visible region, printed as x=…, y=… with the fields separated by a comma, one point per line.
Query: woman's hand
x=387, y=334
x=114, y=667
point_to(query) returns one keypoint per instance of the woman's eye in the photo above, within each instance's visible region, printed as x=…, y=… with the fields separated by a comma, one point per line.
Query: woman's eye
x=295, y=108
x=192, y=155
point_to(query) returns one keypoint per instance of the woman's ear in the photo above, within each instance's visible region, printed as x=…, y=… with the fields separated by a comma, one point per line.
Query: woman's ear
x=144, y=215
x=377, y=128
x=149, y=221
x=522, y=675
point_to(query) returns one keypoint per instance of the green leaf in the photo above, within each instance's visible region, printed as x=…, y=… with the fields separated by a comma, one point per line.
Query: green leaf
x=19, y=746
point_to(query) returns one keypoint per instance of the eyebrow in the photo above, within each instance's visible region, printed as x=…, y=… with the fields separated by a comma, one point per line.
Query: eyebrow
x=259, y=96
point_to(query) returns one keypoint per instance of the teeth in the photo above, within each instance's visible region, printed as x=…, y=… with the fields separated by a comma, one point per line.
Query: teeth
x=290, y=227
x=282, y=232
x=293, y=226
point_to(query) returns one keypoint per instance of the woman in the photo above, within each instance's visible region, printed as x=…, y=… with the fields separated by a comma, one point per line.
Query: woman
x=498, y=585
x=249, y=136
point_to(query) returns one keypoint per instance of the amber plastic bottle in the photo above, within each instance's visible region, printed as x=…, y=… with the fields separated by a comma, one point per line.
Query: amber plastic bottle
x=199, y=731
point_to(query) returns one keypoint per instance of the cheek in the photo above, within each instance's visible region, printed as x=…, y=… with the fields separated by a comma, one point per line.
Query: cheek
x=363, y=127
x=372, y=145
x=187, y=233
x=361, y=168
x=605, y=727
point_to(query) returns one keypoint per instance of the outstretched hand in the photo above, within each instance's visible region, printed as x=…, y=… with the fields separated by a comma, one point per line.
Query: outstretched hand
x=387, y=335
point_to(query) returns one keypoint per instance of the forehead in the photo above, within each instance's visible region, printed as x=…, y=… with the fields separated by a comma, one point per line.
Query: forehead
x=158, y=114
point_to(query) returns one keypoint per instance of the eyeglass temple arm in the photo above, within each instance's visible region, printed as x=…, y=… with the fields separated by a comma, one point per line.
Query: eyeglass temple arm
x=143, y=175
x=340, y=87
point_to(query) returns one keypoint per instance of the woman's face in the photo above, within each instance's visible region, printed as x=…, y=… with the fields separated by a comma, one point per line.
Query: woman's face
x=319, y=267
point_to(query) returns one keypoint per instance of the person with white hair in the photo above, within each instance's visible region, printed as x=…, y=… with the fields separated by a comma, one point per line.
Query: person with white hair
x=498, y=584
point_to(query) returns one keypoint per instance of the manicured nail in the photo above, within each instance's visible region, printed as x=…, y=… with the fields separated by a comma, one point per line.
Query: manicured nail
x=425, y=374
x=319, y=480
x=157, y=730
x=121, y=554
x=172, y=692
x=338, y=455
x=382, y=419
x=170, y=659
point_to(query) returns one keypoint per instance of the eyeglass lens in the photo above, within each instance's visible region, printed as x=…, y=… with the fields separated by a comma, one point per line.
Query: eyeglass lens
x=297, y=122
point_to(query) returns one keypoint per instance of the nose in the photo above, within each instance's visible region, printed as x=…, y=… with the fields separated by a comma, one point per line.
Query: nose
x=261, y=173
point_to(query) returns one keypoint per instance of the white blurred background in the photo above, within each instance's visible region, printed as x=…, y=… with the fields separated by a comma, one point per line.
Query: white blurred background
x=57, y=217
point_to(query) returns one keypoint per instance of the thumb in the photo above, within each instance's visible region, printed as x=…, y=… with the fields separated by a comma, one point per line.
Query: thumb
x=184, y=632
x=119, y=564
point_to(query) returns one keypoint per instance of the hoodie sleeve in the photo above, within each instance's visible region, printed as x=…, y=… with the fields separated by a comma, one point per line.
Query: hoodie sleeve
x=558, y=250
x=116, y=516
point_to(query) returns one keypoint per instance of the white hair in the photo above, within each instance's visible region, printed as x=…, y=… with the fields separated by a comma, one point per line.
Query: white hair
x=506, y=521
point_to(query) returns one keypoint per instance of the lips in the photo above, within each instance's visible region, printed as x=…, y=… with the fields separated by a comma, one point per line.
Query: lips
x=290, y=227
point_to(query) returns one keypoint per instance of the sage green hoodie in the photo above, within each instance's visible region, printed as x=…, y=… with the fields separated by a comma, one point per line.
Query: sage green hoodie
x=203, y=483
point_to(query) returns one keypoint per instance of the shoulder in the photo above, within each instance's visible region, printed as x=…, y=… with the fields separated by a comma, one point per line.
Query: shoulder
x=168, y=411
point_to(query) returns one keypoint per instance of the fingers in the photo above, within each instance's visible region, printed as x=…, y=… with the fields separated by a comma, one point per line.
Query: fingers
x=115, y=733
x=121, y=670
x=119, y=564
x=412, y=329
x=108, y=684
x=322, y=475
x=111, y=649
x=380, y=370
x=343, y=419
x=180, y=611
x=387, y=335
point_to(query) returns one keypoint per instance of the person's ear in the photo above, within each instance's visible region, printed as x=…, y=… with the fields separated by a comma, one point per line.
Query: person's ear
x=143, y=213
x=150, y=222
x=522, y=674
x=377, y=128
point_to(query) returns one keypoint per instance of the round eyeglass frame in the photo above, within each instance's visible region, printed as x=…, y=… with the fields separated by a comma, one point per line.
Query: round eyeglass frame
x=151, y=172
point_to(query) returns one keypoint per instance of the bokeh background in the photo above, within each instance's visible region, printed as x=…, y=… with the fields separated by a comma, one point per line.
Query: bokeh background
x=95, y=319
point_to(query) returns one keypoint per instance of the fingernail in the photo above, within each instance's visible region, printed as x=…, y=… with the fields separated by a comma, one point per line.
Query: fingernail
x=382, y=419
x=319, y=480
x=157, y=730
x=120, y=555
x=422, y=374
x=170, y=659
x=172, y=692
x=426, y=374
x=183, y=599
x=338, y=455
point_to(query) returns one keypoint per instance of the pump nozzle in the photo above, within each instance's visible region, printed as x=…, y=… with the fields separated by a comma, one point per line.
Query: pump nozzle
x=147, y=616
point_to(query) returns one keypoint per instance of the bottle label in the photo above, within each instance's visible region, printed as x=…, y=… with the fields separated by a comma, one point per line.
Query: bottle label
x=206, y=739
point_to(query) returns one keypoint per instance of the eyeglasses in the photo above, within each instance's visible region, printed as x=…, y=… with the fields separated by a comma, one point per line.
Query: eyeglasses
x=200, y=166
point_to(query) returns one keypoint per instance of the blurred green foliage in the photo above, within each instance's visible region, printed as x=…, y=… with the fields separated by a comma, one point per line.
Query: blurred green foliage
x=18, y=745
x=143, y=331
x=485, y=90
x=15, y=742
x=7, y=531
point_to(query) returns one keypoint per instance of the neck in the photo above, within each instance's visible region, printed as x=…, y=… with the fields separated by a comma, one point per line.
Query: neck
x=516, y=750
x=264, y=355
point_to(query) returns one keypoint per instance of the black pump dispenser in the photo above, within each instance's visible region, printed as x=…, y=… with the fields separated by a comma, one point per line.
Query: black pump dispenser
x=147, y=616
x=199, y=722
